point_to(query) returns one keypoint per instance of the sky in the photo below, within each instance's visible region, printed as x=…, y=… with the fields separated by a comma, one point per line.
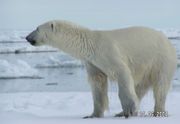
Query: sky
x=94, y=14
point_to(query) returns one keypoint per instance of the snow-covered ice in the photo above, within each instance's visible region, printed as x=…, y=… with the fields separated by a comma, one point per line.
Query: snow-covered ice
x=53, y=62
x=13, y=35
x=70, y=107
x=17, y=68
x=171, y=33
x=22, y=49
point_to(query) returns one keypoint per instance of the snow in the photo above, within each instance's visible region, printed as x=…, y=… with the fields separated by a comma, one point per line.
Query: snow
x=40, y=48
x=70, y=107
x=28, y=48
x=171, y=33
x=16, y=69
x=54, y=61
x=13, y=35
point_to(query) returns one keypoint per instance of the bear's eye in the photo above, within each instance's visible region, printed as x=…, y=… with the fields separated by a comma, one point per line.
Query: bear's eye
x=52, y=27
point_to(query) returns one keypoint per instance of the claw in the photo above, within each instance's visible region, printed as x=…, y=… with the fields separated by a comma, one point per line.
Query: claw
x=86, y=117
x=126, y=115
x=121, y=114
x=93, y=116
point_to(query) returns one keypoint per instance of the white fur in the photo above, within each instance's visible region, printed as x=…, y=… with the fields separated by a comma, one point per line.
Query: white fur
x=137, y=58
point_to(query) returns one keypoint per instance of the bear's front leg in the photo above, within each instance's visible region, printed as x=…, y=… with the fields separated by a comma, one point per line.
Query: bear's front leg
x=98, y=82
x=127, y=94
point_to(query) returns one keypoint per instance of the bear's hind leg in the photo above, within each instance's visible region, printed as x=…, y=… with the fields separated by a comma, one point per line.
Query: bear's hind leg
x=99, y=87
x=160, y=91
x=161, y=85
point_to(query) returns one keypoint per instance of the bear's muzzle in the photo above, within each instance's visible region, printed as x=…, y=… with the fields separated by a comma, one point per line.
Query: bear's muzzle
x=30, y=38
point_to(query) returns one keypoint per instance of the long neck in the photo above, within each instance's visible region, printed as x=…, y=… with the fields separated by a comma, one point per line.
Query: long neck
x=79, y=43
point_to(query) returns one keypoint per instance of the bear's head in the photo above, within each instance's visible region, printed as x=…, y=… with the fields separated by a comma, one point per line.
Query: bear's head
x=51, y=33
x=43, y=34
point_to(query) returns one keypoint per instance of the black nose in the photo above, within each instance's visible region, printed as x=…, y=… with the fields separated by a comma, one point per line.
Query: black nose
x=30, y=40
x=27, y=38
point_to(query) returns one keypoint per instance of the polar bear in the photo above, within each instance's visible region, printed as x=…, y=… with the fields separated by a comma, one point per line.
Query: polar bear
x=137, y=58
